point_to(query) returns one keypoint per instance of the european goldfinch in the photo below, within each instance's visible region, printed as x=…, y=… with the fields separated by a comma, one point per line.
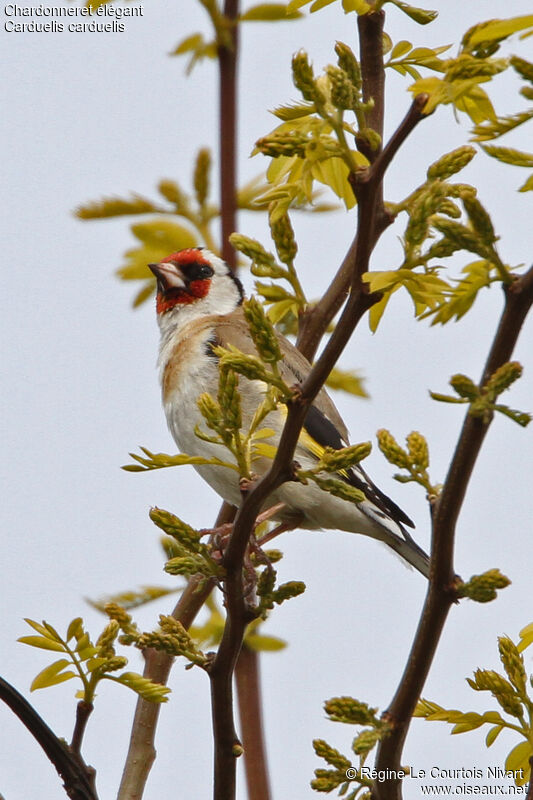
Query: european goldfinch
x=198, y=305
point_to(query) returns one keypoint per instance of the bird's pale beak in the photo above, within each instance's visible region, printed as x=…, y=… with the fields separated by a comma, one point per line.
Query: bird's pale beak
x=168, y=275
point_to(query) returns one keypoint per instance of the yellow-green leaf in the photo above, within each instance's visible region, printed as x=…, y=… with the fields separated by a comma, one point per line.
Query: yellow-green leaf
x=528, y=185
x=420, y=15
x=518, y=759
x=42, y=642
x=269, y=12
x=400, y=49
x=492, y=734
x=75, y=628
x=259, y=642
x=52, y=675
x=37, y=626
x=497, y=29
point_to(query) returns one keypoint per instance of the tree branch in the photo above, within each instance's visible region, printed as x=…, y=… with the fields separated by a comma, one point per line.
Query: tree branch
x=247, y=678
x=227, y=63
x=78, y=778
x=157, y=666
x=441, y=593
x=83, y=712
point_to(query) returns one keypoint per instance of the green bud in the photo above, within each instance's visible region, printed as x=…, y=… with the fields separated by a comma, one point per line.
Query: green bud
x=253, y=250
x=175, y=527
x=442, y=249
x=482, y=588
x=513, y=662
x=391, y=449
x=248, y=366
x=418, y=450
x=334, y=460
x=502, y=379
x=466, y=66
x=327, y=780
x=283, y=236
x=211, y=412
x=229, y=399
x=523, y=67
x=464, y=386
x=112, y=664
x=342, y=92
x=287, y=591
x=262, y=331
x=349, y=64
x=201, y=175
x=339, y=489
x=351, y=711
x=172, y=192
x=116, y=612
x=331, y=755
x=266, y=582
x=283, y=144
x=304, y=79
x=449, y=208
x=365, y=742
x=462, y=237
x=107, y=638
x=450, y=163
x=479, y=219
x=501, y=690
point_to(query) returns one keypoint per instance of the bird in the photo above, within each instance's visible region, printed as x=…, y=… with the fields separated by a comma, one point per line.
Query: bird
x=199, y=304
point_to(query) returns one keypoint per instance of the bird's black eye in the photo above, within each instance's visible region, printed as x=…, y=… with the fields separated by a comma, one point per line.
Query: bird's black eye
x=205, y=271
x=198, y=271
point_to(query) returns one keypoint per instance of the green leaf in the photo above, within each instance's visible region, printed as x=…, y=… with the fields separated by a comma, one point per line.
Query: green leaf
x=191, y=42
x=420, y=15
x=518, y=759
x=115, y=207
x=346, y=381
x=75, y=628
x=37, y=626
x=52, y=675
x=400, y=49
x=153, y=692
x=528, y=185
x=269, y=12
x=259, y=642
x=497, y=29
x=42, y=642
x=493, y=734
x=509, y=155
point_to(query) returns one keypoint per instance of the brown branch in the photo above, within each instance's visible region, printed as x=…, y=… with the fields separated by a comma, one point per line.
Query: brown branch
x=247, y=679
x=141, y=752
x=78, y=778
x=373, y=74
x=83, y=712
x=227, y=63
x=316, y=319
x=227, y=745
x=372, y=220
x=441, y=595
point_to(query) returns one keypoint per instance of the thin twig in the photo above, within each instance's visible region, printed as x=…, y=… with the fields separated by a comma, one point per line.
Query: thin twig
x=248, y=685
x=441, y=594
x=227, y=63
x=78, y=778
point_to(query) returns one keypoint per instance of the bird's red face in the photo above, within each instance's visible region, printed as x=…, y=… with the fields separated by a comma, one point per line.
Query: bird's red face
x=182, y=278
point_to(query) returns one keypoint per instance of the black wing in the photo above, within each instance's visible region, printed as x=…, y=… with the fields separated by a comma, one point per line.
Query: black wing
x=323, y=431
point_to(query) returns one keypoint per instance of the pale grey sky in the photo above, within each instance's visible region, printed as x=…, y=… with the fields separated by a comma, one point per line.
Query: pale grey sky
x=96, y=114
